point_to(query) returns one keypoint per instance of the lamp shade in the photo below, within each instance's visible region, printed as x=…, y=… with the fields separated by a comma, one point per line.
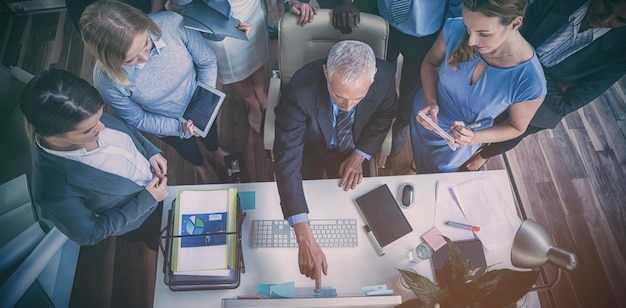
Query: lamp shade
x=533, y=247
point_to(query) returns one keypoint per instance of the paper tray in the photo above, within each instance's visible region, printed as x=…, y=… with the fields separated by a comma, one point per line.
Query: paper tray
x=198, y=282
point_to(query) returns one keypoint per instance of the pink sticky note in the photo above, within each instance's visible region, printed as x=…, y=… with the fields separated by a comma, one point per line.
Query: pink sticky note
x=434, y=238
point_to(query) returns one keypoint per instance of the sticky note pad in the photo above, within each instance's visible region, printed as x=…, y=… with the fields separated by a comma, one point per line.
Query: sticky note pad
x=283, y=290
x=247, y=200
x=374, y=288
x=434, y=238
x=325, y=292
x=377, y=290
x=264, y=288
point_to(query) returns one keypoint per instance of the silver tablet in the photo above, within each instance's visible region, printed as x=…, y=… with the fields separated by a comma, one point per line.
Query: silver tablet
x=203, y=108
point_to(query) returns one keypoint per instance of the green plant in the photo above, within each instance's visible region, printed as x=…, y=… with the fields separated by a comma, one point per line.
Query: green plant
x=457, y=288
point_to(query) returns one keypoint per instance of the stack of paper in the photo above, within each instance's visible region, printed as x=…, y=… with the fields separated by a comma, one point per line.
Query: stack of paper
x=478, y=202
x=205, y=224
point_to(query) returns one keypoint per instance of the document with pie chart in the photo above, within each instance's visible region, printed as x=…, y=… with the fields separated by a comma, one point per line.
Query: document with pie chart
x=203, y=221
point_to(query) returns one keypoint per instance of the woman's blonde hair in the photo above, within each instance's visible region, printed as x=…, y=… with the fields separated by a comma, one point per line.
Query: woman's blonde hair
x=108, y=28
x=506, y=10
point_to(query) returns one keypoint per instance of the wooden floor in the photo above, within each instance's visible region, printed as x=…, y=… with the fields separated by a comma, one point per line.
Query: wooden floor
x=572, y=180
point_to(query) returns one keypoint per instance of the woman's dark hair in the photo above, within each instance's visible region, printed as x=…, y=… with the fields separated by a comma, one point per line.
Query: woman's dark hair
x=505, y=10
x=55, y=101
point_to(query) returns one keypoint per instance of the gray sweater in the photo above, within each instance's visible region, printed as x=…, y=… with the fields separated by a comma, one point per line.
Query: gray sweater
x=164, y=85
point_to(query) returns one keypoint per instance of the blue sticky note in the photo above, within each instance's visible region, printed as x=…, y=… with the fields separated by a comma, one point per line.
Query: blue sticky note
x=264, y=288
x=325, y=292
x=247, y=200
x=377, y=290
x=379, y=293
x=283, y=290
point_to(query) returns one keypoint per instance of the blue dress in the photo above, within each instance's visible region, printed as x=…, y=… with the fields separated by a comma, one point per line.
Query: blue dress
x=492, y=94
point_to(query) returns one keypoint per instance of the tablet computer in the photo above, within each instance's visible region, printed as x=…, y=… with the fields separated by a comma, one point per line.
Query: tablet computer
x=203, y=108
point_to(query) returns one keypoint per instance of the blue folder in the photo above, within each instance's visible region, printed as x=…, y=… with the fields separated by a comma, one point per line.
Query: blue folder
x=199, y=16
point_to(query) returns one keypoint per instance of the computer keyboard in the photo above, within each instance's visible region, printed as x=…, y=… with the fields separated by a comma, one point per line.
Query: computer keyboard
x=327, y=232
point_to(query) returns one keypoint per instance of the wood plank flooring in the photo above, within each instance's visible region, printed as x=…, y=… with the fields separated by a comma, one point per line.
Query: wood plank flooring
x=572, y=180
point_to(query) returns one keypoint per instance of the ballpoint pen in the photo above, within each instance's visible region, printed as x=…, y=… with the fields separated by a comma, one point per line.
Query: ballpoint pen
x=463, y=226
x=479, y=124
x=370, y=235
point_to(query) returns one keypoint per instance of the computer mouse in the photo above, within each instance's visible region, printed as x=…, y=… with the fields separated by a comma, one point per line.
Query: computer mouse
x=407, y=195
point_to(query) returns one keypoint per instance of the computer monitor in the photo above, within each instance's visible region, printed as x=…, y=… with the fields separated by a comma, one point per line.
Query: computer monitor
x=356, y=301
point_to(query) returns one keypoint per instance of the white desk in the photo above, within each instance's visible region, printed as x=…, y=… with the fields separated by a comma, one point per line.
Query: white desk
x=349, y=269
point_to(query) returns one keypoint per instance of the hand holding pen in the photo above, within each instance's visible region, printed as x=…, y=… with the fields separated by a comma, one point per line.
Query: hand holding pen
x=158, y=188
x=462, y=134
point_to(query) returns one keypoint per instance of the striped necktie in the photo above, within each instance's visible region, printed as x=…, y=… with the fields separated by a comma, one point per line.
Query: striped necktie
x=399, y=10
x=344, y=131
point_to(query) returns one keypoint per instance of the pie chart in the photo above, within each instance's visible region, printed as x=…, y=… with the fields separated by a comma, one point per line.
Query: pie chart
x=195, y=225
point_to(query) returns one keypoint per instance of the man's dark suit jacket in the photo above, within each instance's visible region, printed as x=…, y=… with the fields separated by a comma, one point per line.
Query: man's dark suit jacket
x=304, y=125
x=592, y=69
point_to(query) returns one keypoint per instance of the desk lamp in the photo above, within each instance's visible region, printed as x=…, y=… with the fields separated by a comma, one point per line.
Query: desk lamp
x=533, y=247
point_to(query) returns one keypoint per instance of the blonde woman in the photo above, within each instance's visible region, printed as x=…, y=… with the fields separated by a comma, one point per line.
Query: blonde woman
x=147, y=71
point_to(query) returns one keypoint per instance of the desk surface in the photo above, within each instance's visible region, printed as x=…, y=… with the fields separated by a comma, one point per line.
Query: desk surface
x=349, y=269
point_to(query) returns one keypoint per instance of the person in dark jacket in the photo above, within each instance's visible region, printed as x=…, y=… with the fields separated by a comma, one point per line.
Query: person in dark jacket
x=93, y=176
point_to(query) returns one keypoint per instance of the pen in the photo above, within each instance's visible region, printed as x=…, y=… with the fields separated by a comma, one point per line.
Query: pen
x=462, y=226
x=370, y=234
x=479, y=124
x=473, y=125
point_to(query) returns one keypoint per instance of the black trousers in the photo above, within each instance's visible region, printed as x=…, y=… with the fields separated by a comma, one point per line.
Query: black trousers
x=365, y=6
x=149, y=231
x=413, y=50
x=188, y=148
x=497, y=148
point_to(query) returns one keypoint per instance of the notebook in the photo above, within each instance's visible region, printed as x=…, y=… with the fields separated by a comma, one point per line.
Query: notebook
x=471, y=250
x=383, y=215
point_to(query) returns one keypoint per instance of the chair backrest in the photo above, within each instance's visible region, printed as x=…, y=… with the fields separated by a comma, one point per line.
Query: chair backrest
x=299, y=45
x=15, y=156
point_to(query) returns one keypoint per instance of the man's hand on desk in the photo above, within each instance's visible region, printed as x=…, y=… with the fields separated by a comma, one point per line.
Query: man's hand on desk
x=351, y=171
x=311, y=258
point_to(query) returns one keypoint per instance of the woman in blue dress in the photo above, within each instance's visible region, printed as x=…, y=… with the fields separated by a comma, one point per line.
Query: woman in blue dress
x=479, y=66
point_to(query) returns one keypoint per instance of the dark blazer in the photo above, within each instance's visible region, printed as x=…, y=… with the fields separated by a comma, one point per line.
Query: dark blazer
x=304, y=125
x=592, y=69
x=88, y=204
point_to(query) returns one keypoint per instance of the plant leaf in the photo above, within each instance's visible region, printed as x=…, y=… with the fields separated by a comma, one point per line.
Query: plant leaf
x=414, y=303
x=468, y=293
x=427, y=291
x=507, y=286
x=459, y=265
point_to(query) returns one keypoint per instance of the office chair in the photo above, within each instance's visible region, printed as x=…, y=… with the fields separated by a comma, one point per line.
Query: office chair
x=299, y=45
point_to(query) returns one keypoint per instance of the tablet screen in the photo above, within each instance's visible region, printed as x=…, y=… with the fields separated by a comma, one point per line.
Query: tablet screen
x=202, y=108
